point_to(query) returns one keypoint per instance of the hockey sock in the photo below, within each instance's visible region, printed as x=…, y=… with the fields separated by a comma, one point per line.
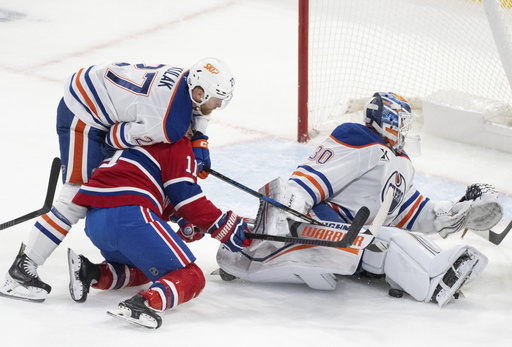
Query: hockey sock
x=46, y=234
x=116, y=276
x=175, y=288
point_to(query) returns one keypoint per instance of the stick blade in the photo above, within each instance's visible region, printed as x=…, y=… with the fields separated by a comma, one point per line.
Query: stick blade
x=48, y=201
x=357, y=224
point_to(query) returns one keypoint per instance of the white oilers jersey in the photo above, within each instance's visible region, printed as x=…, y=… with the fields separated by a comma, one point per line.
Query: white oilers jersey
x=353, y=168
x=137, y=104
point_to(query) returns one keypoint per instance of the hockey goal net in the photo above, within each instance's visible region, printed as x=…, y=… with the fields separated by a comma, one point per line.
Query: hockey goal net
x=349, y=49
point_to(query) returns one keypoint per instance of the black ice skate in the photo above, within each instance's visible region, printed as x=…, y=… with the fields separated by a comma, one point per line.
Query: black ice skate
x=82, y=273
x=137, y=311
x=22, y=281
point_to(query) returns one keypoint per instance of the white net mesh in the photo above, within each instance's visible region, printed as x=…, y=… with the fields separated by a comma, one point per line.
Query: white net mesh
x=411, y=47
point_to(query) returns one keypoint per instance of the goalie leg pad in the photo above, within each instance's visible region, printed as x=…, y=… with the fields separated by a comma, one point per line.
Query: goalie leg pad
x=417, y=266
x=312, y=265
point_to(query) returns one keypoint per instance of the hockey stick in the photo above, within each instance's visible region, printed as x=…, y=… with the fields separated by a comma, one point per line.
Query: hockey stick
x=490, y=235
x=353, y=231
x=380, y=218
x=261, y=196
x=48, y=201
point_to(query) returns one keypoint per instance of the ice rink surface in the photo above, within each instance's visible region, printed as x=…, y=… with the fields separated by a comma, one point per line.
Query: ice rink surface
x=251, y=141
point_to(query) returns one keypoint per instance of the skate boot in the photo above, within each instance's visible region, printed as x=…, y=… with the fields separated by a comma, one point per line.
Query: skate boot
x=82, y=273
x=22, y=281
x=452, y=281
x=137, y=311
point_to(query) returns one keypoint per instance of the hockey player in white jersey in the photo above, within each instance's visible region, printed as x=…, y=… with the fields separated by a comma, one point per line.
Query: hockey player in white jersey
x=116, y=106
x=352, y=168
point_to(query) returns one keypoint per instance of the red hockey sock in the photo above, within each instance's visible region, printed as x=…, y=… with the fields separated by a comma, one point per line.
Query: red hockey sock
x=116, y=276
x=175, y=288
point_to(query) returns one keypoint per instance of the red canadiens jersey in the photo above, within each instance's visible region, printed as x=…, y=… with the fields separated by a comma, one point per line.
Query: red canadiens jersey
x=161, y=177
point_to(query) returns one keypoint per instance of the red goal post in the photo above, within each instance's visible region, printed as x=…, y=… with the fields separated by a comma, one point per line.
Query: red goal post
x=349, y=49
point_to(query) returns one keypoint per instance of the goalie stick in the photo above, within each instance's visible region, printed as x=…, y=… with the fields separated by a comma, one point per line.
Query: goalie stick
x=48, y=201
x=261, y=196
x=490, y=235
x=371, y=232
x=361, y=241
x=359, y=219
x=346, y=242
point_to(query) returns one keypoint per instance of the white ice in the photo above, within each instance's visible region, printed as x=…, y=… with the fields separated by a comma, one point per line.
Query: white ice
x=252, y=141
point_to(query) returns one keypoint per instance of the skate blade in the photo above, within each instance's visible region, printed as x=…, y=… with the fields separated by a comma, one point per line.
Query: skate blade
x=14, y=290
x=76, y=288
x=143, y=321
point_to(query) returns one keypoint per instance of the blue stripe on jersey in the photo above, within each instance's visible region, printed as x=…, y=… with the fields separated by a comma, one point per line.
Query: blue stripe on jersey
x=307, y=189
x=77, y=98
x=145, y=160
x=322, y=177
x=95, y=95
x=408, y=203
x=422, y=205
x=348, y=216
x=121, y=136
x=180, y=191
x=47, y=233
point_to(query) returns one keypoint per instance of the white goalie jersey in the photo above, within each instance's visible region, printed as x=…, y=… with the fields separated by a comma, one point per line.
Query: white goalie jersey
x=354, y=168
x=137, y=104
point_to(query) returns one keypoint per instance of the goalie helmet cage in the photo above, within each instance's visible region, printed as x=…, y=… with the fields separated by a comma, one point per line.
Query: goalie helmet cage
x=350, y=49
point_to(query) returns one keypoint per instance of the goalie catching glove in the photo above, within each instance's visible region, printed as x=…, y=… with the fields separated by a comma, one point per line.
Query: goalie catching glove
x=230, y=230
x=479, y=209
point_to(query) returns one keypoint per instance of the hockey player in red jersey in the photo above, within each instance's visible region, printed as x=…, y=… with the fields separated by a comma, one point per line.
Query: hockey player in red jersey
x=114, y=106
x=129, y=199
x=354, y=167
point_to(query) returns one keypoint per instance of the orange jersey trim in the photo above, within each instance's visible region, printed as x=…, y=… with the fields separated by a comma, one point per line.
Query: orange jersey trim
x=54, y=225
x=313, y=182
x=88, y=101
x=410, y=213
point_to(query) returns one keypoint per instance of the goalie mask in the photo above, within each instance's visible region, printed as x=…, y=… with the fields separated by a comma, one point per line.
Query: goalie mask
x=214, y=77
x=391, y=116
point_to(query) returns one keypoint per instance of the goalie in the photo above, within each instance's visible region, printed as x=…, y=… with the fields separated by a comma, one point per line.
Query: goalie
x=352, y=168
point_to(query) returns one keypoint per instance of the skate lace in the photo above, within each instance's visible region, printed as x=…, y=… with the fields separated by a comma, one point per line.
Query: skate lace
x=30, y=267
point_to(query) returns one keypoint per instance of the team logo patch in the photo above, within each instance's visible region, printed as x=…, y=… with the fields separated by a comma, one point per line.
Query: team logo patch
x=396, y=181
x=188, y=230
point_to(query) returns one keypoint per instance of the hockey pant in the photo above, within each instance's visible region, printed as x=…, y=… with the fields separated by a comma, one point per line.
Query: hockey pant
x=417, y=266
x=82, y=149
x=138, y=245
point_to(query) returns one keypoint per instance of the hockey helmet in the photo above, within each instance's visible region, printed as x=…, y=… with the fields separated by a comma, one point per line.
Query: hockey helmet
x=391, y=116
x=214, y=77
